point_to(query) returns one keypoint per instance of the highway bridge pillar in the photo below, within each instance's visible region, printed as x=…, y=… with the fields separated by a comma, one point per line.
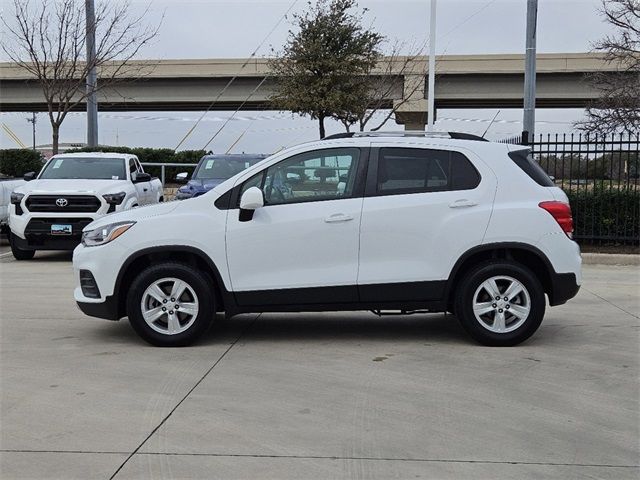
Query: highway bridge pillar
x=412, y=109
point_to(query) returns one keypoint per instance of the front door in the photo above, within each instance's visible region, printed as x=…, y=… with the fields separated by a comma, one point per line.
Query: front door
x=302, y=246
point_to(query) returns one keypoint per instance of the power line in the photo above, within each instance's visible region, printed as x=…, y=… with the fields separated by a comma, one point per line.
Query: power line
x=233, y=114
x=253, y=54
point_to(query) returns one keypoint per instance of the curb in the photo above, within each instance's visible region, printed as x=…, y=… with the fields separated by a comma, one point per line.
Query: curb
x=610, y=259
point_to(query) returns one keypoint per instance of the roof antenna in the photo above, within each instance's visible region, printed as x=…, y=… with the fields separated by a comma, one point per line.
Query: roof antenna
x=491, y=123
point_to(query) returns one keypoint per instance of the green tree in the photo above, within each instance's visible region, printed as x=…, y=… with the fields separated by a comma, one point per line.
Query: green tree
x=320, y=70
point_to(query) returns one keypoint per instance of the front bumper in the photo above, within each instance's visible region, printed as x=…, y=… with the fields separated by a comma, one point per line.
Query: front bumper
x=104, y=263
x=36, y=235
x=107, y=309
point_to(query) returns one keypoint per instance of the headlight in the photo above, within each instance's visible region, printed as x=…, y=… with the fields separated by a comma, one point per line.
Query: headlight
x=16, y=198
x=103, y=235
x=114, y=198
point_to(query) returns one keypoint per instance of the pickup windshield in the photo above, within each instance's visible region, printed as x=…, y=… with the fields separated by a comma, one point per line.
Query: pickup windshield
x=86, y=168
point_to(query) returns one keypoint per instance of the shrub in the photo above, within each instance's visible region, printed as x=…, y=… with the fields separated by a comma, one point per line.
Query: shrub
x=16, y=162
x=607, y=214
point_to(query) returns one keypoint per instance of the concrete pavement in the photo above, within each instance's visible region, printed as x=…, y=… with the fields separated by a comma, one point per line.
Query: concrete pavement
x=5, y=249
x=317, y=395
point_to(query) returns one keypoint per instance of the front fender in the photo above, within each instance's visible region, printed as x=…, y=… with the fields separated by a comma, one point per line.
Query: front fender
x=130, y=203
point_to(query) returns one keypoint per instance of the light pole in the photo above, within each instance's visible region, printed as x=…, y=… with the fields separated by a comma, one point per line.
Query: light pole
x=529, y=120
x=431, y=110
x=92, y=102
x=33, y=121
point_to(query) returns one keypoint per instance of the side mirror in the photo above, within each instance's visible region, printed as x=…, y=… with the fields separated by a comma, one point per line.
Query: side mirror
x=252, y=199
x=182, y=177
x=29, y=176
x=142, y=177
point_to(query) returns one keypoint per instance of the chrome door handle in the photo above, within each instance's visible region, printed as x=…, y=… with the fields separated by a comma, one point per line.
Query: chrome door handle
x=462, y=203
x=338, y=217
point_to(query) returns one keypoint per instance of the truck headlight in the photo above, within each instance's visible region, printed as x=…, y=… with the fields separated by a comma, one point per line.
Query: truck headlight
x=105, y=234
x=114, y=198
x=16, y=198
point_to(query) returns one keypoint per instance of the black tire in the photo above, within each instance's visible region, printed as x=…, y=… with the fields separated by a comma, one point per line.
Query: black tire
x=464, y=301
x=18, y=253
x=197, y=280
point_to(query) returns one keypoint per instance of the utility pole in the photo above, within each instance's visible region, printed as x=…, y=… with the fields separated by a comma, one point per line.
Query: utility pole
x=92, y=102
x=431, y=109
x=33, y=121
x=529, y=119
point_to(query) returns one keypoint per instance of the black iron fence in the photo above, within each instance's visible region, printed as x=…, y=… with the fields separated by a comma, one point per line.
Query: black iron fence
x=601, y=177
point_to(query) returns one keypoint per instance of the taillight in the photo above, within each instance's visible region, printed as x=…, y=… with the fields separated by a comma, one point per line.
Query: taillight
x=561, y=212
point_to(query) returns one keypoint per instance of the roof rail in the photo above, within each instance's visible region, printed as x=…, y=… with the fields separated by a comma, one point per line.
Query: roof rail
x=409, y=133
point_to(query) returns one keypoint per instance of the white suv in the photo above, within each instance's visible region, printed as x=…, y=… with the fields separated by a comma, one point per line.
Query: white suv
x=380, y=222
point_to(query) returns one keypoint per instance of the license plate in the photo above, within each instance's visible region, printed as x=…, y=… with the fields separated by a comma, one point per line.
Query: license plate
x=57, y=229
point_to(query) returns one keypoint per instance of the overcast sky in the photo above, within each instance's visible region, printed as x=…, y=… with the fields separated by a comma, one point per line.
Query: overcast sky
x=235, y=28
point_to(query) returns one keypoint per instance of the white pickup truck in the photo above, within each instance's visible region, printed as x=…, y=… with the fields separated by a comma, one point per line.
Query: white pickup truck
x=72, y=190
x=6, y=187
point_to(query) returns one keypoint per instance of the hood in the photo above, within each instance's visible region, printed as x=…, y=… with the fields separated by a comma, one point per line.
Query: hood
x=74, y=187
x=199, y=185
x=135, y=214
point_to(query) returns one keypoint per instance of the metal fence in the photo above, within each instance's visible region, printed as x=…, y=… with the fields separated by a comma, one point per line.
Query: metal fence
x=163, y=166
x=601, y=176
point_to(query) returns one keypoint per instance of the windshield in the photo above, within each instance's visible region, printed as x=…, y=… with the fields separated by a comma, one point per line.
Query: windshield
x=222, y=168
x=85, y=168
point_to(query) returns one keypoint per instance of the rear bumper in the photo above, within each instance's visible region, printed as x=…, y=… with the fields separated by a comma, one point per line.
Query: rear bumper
x=564, y=286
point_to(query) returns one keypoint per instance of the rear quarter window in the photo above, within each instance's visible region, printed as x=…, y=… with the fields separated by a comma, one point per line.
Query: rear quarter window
x=528, y=165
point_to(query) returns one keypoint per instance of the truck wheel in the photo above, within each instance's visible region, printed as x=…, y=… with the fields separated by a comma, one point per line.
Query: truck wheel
x=500, y=303
x=18, y=253
x=171, y=304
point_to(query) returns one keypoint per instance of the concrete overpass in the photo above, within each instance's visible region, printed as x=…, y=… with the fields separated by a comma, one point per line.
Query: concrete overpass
x=462, y=81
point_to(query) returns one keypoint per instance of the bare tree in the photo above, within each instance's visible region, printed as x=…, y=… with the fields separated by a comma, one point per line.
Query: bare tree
x=48, y=40
x=396, y=75
x=618, y=108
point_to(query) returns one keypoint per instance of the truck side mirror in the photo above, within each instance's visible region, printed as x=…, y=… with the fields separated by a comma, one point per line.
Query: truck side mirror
x=182, y=177
x=142, y=177
x=29, y=176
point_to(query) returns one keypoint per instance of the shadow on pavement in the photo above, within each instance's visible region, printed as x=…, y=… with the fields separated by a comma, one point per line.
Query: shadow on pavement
x=308, y=328
x=341, y=327
x=53, y=256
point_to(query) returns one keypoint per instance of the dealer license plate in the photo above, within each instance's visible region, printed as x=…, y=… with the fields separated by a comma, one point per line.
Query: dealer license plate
x=57, y=229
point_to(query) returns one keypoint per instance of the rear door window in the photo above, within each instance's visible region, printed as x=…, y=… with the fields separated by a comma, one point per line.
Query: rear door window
x=417, y=170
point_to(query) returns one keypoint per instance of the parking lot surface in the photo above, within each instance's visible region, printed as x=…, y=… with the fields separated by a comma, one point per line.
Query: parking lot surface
x=296, y=396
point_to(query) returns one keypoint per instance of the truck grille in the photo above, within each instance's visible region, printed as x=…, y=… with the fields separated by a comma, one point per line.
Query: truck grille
x=63, y=203
x=42, y=226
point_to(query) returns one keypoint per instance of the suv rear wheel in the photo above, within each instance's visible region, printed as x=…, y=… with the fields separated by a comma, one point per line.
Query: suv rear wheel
x=500, y=304
x=170, y=304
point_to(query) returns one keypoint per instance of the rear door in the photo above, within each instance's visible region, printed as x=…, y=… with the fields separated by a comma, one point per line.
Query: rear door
x=423, y=208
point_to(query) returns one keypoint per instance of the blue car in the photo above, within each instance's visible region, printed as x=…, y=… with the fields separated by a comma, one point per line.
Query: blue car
x=212, y=170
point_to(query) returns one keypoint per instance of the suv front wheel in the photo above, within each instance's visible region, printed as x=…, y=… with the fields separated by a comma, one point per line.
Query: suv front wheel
x=170, y=304
x=500, y=303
